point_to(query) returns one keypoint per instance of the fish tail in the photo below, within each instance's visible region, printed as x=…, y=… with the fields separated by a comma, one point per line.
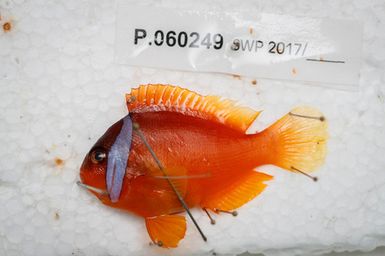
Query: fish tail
x=298, y=140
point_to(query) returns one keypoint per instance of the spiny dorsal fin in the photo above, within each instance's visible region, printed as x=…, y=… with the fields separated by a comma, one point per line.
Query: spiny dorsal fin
x=159, y=97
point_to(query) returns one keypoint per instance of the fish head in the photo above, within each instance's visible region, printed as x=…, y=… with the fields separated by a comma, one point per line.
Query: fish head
x=105, y=165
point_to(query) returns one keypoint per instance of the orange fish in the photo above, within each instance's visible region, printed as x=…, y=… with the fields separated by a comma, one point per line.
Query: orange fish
x=202, y=143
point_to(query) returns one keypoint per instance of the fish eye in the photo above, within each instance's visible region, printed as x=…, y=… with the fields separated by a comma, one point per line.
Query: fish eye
x=98, y=155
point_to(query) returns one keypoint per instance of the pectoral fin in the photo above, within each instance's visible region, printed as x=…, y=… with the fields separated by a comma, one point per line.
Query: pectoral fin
x=177, y=176
x=166, y=230
x=155, y=180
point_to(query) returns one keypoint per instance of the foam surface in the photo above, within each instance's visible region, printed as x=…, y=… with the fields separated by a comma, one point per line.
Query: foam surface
x=60, y=90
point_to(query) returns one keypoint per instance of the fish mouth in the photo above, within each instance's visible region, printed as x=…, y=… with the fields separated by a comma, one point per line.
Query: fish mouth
x=116, y=143
x=91, y=188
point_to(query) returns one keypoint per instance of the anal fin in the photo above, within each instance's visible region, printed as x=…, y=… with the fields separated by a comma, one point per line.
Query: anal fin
x=237, y=192
x=166, y=230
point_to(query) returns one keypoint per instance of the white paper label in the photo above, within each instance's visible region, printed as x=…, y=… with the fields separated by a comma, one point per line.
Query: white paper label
x=248, y=43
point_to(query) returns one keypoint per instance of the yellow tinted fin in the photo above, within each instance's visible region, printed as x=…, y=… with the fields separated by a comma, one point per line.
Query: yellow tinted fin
x=166, y=230
x=299, y=140
x=158, y=97
x=160, y=195
x=177, y=175
x=160, y=192
x=236, y=192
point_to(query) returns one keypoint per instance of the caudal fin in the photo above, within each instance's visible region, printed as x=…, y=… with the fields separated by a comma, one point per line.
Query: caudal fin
x=299, y=140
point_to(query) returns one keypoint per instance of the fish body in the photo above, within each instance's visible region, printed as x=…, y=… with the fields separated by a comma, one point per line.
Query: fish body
x=207, y=155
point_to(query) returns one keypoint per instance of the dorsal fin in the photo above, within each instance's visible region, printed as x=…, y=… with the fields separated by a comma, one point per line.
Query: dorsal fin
x=159, y=97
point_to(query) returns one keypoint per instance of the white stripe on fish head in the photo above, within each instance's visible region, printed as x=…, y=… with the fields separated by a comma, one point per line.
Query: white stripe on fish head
x=117, y=160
